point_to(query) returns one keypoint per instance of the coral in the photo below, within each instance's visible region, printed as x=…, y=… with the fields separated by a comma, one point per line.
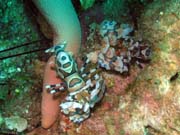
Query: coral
x=16, y=123
x=156, y=97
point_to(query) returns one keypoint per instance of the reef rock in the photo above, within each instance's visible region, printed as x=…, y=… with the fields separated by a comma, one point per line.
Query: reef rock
x=16, y=123
x=150, y=103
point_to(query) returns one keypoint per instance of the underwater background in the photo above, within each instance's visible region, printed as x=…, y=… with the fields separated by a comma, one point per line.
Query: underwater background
x=143, y=101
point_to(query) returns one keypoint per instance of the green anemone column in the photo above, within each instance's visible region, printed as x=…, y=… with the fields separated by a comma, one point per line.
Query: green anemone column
x=64, y=21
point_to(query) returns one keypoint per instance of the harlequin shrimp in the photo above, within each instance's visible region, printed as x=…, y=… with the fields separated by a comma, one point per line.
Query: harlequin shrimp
x=85, y=88
x=119, y=50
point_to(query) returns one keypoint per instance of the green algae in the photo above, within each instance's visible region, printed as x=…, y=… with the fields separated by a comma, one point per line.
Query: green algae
x=1, y=120
x=110, y=125
x=164, y=46
x=17, y=74
x=3, y=92
x=115, y=8
x=87, y=3
x=16, y=28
